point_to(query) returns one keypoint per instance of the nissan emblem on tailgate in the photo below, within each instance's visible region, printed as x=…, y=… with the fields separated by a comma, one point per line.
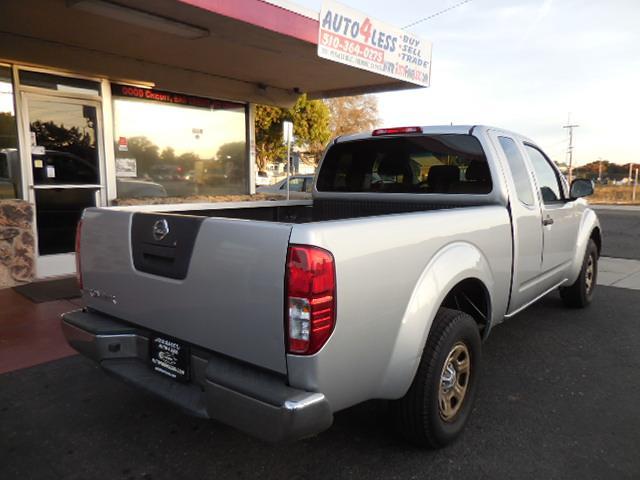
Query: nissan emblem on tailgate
x=160, y=229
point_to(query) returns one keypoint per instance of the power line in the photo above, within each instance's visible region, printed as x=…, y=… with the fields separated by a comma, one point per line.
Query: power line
x=437, y=13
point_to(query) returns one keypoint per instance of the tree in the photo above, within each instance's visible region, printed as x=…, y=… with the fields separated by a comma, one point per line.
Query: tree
x=353, y=114
x=311, y=119
x=310, y=128
x=231, y=157
x=168, y=155
x=188, y=161
x=269, y=145
x=145, y=152
x=52, y=136
x=610, y=170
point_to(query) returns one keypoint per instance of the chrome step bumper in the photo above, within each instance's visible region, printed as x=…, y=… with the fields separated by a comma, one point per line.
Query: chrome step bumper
x=252, y=400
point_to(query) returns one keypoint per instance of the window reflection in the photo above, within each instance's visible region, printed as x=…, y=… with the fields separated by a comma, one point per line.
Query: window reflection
x=10, y=185
x=168, y=149
x=65, y=142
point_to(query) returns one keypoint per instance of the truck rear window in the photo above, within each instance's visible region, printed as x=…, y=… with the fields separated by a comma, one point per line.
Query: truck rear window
x=447, y=163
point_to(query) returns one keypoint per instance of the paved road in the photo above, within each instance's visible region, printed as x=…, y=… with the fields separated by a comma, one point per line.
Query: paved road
x=621, y=229
x=559, y=399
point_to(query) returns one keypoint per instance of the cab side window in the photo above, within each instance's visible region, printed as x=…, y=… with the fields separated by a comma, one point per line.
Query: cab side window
x=518, y=170
x=548, y=181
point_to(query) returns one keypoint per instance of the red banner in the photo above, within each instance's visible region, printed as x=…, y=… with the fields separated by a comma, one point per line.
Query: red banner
x=171, y=98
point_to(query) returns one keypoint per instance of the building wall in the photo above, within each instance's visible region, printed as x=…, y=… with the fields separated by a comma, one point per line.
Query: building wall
x=185, y=146
x=17, y=255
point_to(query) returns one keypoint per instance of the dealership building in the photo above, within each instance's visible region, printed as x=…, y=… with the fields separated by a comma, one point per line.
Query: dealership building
x=102, y=101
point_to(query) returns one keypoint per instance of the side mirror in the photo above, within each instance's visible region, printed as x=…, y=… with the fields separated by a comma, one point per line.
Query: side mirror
x=581, y=187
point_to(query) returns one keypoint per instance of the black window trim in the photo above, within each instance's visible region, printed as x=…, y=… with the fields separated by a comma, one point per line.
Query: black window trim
x=556, y=172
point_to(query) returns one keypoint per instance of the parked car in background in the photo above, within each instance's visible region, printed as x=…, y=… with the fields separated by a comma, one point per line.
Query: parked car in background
x=300, y=187
x=136, y=188
x=73, y=169
x=273, y=316
x=262, y=178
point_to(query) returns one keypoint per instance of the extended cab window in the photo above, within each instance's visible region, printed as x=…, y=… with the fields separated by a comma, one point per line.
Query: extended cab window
x=447, y=163
x=548, y=180
x=518, y=170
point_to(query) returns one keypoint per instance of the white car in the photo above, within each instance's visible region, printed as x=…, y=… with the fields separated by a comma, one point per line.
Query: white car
x=262, y=178
x=300, y=187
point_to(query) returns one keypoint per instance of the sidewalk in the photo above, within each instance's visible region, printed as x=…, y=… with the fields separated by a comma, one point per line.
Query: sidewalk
x=614, y=206
x=619, y=272
x=30, y=333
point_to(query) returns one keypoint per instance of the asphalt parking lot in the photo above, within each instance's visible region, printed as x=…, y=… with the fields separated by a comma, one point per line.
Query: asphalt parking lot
x=621, y=231
x=559, y=398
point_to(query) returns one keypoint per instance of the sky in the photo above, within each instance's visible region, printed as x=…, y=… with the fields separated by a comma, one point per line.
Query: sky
x=524, y=65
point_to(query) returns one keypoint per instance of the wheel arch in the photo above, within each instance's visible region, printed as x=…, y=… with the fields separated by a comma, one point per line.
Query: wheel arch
x=458, y=268
x=596, y=236
x=472, y=297
x=589, y=230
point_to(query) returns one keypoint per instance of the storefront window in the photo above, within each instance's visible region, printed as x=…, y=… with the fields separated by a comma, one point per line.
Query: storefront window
x=175, y=145
x=9, y=157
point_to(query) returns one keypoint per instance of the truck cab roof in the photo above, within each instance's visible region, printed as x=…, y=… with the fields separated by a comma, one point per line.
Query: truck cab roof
x=436, y=129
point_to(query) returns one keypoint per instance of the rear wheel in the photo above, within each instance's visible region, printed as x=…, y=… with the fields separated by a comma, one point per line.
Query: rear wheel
x=436, y=407
x=580, y=294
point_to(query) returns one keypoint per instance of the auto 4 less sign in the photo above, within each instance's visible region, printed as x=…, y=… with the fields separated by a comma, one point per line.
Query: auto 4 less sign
x=354, y=38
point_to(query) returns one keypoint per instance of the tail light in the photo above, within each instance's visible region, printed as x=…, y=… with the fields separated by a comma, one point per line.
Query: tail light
x=311, y=298
x=78, y=265
x=395, y=131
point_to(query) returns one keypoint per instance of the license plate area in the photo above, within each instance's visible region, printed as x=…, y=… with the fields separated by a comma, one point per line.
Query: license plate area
x=170, y=358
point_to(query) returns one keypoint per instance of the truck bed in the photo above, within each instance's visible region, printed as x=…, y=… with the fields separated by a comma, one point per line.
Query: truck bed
x=298, y=212
x=210, y=282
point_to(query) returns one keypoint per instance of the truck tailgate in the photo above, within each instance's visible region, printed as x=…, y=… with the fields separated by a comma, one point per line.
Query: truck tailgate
x=217, y=283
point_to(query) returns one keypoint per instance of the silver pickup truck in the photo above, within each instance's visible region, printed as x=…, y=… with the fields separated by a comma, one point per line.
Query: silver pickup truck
x=272, y=316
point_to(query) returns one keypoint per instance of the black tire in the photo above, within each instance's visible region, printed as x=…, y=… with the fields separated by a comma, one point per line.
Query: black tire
x=580, y=294
x=418, y=415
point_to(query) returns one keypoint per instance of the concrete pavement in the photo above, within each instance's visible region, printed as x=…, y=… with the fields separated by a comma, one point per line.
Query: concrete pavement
x=619, y=272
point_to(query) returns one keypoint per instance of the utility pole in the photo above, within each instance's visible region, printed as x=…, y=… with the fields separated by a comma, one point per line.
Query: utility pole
x=630, y=172
x=600, y=170
x=570, y=148
x=635, y=185
x=287, y=133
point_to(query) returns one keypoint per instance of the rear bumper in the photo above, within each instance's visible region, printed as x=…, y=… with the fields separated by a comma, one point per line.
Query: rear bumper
x=247, y=398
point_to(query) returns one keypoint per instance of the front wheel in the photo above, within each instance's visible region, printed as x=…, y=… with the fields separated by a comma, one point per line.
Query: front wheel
x=580, y=294
x=436, y=407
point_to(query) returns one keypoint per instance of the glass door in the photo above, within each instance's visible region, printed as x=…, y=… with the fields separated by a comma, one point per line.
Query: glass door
x=64, y=173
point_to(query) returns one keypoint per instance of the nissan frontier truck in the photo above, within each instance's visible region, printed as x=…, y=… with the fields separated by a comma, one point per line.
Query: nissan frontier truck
x=273, y=316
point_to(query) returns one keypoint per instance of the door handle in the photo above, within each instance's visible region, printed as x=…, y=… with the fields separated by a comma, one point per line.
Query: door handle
x=547, y=221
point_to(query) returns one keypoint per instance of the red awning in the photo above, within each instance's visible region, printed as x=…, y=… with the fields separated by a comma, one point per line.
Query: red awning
x=246, y=50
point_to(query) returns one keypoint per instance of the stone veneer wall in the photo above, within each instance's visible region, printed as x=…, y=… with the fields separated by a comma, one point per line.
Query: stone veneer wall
x=17, y=245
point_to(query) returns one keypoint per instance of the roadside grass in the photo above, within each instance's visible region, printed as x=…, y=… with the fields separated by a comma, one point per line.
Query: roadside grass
x=622, y=194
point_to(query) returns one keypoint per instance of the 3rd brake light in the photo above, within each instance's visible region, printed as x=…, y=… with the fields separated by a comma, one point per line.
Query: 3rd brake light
x=395, y=131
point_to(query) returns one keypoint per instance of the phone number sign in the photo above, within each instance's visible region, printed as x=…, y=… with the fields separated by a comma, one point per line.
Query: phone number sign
x=354, y=38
